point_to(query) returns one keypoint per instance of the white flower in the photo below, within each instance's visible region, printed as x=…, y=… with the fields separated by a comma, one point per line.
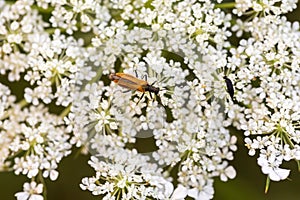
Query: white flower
x=250, y=146
x=50, y=170
x=273, y=171
x=31, y=166
x=31, y=96
x=41, y=138
x=205, y=193
x=229, y=172
x=123, y=175
x=31, y=191
x=270, y=163
x=239, y=27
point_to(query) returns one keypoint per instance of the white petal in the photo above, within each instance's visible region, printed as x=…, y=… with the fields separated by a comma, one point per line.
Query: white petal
x=279, y=174
x=36, y=197
x=22, y=195
x=53, y=175
x=179, y=193
x=230, y=172
x=168, y=188
x=193, y=193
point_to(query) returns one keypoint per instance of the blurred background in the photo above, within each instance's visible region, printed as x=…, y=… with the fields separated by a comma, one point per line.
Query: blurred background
x=248, y=185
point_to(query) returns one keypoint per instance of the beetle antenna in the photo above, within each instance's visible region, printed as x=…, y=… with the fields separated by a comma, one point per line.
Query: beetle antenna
x=153, y=83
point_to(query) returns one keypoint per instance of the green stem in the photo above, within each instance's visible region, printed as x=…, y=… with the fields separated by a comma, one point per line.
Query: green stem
x=42, y=10
x=267, y=185
x=298, y=164
x=23, y=103
x=42, y=180
x=65, y=112
x=97, y=77
x=225, y=5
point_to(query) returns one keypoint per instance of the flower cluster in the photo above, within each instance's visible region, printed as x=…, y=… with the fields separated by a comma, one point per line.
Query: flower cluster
x=128, y=175
x=213, y=70
x=269, y=85
x=35, y=141
x=192, y=136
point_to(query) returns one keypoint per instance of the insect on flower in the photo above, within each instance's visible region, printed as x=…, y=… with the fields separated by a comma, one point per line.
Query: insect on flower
x=229, y=86
x=133, y=83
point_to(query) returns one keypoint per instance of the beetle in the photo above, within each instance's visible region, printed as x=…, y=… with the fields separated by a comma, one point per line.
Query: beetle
x=230, y=88
x=133, y=83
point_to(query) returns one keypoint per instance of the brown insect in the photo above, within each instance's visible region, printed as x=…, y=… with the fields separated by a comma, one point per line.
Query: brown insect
x=133, y=83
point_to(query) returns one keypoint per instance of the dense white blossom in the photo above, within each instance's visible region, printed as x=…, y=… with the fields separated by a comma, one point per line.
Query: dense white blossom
x=214, y=68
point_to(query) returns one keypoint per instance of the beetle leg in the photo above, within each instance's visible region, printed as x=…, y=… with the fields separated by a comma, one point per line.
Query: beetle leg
x=140, y=99
x=150, y=95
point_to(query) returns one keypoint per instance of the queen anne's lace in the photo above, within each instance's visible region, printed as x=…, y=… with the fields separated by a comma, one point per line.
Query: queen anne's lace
x=183, y=47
